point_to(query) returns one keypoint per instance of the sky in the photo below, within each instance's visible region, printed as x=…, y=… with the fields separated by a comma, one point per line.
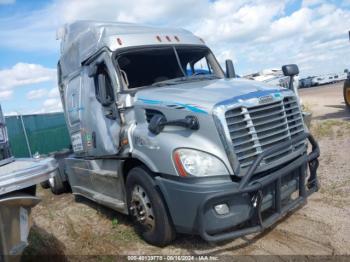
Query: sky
x=255, y=34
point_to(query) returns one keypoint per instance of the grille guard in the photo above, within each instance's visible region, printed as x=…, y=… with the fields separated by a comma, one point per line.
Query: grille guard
x=255, y=187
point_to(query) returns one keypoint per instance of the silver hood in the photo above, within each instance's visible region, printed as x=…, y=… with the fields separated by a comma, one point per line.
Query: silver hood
x=202, y=96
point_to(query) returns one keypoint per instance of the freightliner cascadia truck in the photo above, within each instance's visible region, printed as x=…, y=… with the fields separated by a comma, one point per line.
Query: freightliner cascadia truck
x=161, y=133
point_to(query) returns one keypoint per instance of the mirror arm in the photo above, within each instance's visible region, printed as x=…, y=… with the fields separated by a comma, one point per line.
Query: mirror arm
x=190, y=122
x=158, y=123
x=230, y=70
x=291, y=83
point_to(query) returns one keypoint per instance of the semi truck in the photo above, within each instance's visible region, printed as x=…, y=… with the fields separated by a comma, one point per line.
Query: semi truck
x=179, y=150
x=272, y=76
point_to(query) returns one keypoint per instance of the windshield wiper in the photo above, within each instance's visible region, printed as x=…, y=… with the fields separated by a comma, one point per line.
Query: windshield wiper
x=172, y=81
x=203, y=77
x=175, y=81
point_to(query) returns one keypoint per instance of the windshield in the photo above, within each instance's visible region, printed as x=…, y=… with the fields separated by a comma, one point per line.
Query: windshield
x=157, y=65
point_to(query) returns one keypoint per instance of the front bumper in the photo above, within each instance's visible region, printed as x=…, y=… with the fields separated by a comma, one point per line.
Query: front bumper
x=254, y=204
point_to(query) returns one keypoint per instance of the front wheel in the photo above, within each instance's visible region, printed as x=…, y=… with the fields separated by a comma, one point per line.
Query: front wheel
x=147, y=208
x=346, y=93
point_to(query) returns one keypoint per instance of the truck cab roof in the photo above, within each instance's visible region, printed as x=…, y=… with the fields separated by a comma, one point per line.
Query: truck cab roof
x=81, y=39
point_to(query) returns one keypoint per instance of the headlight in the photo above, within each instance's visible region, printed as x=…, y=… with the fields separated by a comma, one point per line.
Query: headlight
x=196, y=163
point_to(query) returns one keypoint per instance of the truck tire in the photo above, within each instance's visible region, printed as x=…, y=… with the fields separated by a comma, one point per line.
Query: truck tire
x=57, y=185
x=346, y=93
x=152, y=224
x=45, y=184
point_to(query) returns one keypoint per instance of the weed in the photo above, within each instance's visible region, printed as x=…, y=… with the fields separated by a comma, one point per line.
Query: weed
x=114, y=222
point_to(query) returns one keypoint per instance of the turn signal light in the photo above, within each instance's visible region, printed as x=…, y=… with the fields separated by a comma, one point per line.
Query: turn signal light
x=178, y=164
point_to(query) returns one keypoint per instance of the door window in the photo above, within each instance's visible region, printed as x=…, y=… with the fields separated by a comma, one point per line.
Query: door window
x=103, y=86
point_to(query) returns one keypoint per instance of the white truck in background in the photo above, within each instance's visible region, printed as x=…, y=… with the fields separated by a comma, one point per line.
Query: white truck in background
x=275, y=77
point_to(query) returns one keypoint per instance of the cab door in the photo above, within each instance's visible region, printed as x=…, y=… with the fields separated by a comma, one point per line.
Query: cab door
x=94, y=123
x=101, y=120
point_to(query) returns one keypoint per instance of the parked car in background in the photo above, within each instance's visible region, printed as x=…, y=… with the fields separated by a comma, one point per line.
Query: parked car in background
x=305, y=82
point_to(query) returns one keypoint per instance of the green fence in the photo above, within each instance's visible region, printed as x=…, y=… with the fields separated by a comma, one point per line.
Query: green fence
x=46, y=133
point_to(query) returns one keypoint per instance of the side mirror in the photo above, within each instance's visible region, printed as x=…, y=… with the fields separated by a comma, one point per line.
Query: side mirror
x=290, y=70
x=102, y=94
x=156, y=125
x=230, y=70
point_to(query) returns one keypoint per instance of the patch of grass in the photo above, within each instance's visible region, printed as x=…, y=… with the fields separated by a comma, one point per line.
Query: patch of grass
x=123, y=233
x=87, y=238
x=50, y=214
x=336, y=189
x=306, y=107
x=329, y=128
x=70, y=228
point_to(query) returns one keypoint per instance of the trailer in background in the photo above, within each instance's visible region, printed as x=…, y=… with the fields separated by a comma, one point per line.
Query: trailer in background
x=328, y=78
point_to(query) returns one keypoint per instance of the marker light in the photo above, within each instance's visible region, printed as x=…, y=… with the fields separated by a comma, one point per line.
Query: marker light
x=119, y=41
x=168, y=38
x=177, y=39
x=158, y=38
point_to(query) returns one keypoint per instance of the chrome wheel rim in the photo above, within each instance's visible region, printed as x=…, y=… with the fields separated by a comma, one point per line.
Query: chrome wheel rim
x=141, y=207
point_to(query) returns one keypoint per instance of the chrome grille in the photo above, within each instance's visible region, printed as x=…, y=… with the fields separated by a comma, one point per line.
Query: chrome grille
x=255, y=129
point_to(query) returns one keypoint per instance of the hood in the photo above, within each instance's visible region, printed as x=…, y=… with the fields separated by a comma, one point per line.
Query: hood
x=202, y=96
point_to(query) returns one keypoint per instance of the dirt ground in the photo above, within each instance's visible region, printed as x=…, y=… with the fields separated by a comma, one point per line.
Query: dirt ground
x=75, y=226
